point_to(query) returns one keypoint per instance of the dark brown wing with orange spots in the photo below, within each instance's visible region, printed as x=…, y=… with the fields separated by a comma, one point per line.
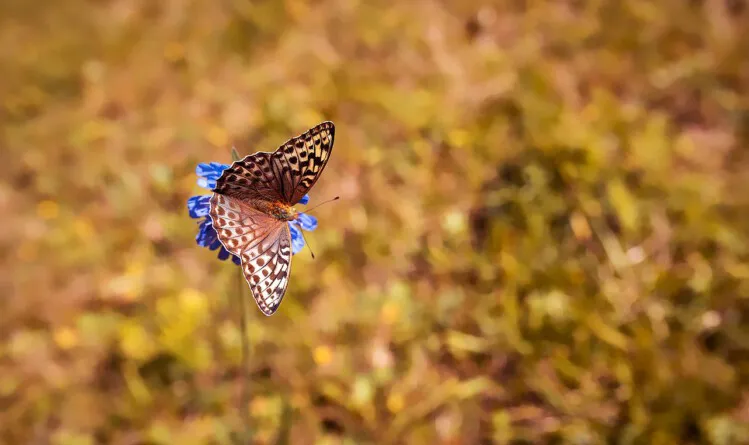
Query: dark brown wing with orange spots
x=263, y=244
x=285, y=175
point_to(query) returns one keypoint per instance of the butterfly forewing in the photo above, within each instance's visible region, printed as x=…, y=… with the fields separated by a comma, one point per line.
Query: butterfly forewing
x=301, y=160
x=285, y=175
x=260, y=240
x=251, y=178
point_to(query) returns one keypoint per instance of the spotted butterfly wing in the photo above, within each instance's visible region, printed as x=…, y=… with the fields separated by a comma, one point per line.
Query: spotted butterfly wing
x=302, y=159
x=241, y=209
x=285, y=175
x=262, y=243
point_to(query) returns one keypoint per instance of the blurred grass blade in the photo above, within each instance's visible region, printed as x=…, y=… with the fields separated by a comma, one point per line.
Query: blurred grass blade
x=244, y=398
x=459, y=341
x=284, y=430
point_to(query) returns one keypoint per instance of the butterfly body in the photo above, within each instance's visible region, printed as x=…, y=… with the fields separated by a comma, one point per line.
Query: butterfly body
x=277, y=209
x=253, y=205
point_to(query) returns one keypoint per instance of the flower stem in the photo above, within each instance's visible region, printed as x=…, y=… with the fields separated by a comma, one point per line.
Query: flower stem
x=244, y=398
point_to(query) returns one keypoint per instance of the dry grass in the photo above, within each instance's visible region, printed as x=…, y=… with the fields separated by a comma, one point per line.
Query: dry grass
x=542, y=235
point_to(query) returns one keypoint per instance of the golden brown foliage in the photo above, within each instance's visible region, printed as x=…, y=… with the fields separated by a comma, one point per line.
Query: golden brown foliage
x=543, y=234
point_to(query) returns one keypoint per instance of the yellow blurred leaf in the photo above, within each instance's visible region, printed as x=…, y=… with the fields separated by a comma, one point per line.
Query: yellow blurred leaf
x=395, y=402
x=322, y=355
x=48, y=209
x=66, y=338
x=624, y=203
x=607, y=333
x=459, y=341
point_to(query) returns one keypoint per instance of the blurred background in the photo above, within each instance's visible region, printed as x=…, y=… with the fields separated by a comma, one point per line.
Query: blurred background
x=542, y=237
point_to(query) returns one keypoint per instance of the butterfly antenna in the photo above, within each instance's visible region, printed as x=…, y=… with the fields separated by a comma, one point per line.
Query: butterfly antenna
x=324, y=202
x=307, y=244
x=307, y=211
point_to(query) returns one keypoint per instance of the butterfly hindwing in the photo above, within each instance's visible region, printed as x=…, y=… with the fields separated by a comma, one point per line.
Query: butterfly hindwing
x=238, y=224
x=266, y=266
x=262, y=243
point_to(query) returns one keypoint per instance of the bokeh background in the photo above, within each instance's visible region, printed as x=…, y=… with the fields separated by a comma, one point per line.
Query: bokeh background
x=542, y=238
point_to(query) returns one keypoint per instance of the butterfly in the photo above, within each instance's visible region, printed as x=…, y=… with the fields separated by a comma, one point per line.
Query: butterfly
x=252, y=204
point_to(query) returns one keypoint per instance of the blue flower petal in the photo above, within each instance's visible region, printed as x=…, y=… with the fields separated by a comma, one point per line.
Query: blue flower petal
x=199, y=206
x=307, y=222
x=215, y=245
x=206, y=234
x=304, y=200
x=209, y=173
x=223, y=254
x=209, y=184
x=210, y=170
x=236, y=260
x=297, y=242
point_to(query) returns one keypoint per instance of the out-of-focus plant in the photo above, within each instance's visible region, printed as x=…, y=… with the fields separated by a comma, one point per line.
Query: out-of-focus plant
x=543, y=239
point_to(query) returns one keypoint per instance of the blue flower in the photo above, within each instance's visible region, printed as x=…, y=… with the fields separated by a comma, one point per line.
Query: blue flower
x=199, y=208
x=306, y=222
x=208, y=174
